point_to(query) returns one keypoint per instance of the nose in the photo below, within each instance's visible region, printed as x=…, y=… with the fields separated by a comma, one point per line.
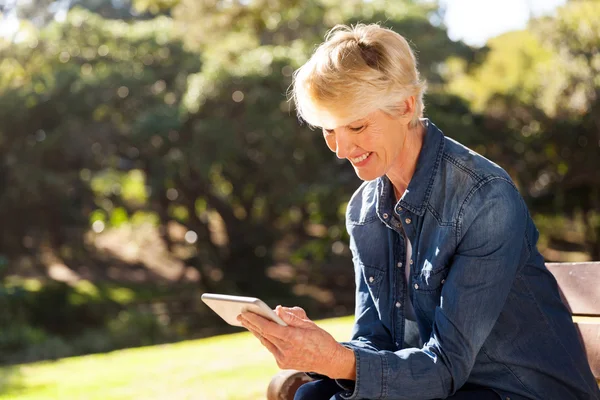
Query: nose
x=343, y=144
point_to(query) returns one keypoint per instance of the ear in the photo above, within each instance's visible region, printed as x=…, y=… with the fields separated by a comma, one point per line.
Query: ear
x=407, y=108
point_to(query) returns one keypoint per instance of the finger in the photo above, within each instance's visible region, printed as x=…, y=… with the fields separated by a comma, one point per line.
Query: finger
x=298, y=311
x=256, y=331
x=265, y=326
x=274, y=339
x=260, y=338
x=271, y=333
x=273, y=349
x=281, y=344
x=256, y=319
x=294, y=320
x=280, y=310
x=267, y=343
x=251, y=326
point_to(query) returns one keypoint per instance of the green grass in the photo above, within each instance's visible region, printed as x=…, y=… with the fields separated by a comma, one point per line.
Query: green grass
x=224, y=367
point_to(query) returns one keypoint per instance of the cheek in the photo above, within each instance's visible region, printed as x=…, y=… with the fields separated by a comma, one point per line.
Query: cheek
x=380, y=140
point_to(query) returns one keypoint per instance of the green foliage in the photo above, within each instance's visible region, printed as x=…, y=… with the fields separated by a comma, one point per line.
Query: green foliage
x=572, y=82
x=183, y=122
x=164, y=135
x=86, y=96
x=55, y=320
x=154, y=6
x=537, y=96
x=17, y=336
x=131, y=329
x=511, y=68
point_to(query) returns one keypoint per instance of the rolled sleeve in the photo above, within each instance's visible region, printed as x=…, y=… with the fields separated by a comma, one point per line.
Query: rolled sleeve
x=371, y=372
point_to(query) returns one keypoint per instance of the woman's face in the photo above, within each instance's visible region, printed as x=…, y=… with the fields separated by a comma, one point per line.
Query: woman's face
x=372, y=144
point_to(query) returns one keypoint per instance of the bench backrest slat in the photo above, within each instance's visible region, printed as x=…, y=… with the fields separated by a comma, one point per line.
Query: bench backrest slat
x=580, y=286
x=590, y=335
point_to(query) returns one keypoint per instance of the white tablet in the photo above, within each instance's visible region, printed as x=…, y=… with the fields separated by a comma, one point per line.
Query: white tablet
x=229, y=307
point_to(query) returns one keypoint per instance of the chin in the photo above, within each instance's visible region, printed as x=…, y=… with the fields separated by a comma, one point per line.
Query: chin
x=366, y=175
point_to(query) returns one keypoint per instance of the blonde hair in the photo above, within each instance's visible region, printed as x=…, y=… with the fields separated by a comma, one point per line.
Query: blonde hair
x=357, y=70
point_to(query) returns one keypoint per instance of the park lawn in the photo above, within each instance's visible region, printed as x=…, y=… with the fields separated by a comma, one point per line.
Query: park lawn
x=232, y=366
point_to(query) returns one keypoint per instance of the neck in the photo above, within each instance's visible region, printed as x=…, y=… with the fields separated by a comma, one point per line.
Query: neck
x=404, y=168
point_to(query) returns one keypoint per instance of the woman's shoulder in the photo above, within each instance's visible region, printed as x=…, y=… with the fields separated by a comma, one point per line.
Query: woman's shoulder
x=458, y=156
x=466, y=177
x=362, y=205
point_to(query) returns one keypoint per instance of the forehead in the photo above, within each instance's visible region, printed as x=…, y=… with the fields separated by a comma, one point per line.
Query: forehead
x=330, y=121
x=333, y=113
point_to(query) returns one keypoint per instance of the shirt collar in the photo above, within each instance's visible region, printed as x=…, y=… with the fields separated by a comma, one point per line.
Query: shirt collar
x=419, y=189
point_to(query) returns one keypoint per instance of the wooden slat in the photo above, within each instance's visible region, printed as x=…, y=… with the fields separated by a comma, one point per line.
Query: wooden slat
x=590, y=335
x=579, y=284
x=285, y=384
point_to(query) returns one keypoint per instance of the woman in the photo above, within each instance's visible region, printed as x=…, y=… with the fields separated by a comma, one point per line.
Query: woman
x=452, y=297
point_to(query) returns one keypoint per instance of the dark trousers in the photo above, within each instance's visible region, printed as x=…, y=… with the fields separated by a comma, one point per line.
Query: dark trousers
x=327, y=389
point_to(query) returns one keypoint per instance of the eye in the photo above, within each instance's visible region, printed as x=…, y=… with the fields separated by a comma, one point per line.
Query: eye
x=357, y=128
x=328, y=131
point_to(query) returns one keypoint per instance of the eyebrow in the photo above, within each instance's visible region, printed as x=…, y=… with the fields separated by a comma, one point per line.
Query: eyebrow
x=357, y=122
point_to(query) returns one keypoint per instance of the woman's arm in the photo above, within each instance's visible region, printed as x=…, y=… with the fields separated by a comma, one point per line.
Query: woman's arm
x=368, y=330
x=491, y=246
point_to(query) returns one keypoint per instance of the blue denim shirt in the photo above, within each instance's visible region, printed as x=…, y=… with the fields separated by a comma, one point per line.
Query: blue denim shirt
x=488, y=311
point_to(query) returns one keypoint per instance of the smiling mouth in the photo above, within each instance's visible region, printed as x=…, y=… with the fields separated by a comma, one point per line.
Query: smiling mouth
x=360, y=159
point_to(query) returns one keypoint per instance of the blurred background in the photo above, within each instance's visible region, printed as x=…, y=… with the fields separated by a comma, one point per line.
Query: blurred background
x=148, y=155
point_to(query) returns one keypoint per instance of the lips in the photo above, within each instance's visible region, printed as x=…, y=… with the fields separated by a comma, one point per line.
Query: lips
x=360, y=158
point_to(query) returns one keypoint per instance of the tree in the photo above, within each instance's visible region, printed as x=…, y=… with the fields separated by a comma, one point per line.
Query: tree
x=218, y=148
x=68, y=105
x=537, y=91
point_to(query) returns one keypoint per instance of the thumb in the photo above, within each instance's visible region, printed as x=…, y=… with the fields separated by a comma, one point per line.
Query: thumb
x=293, y=317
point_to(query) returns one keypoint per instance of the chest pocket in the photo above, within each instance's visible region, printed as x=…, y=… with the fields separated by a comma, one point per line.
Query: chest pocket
x=373, y=277
x=428, y=279
x=427, y=284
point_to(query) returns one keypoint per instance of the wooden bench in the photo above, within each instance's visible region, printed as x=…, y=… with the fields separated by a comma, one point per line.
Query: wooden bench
x=579, y=285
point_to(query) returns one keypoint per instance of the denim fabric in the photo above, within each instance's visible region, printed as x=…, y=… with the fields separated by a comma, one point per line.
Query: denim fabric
x=322, y=389
x=327, y=389
x=488, y=311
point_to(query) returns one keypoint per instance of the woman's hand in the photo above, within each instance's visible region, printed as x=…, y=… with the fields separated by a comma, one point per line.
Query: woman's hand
x=301, y=345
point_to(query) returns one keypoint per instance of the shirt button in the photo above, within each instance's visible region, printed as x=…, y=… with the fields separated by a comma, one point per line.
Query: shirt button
x=385, y=216
x=408, y=220
x=371, y=279
x=443, y=280
x=416, y=286
x=411, y=261
x=399, y=265
x=398, y=304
